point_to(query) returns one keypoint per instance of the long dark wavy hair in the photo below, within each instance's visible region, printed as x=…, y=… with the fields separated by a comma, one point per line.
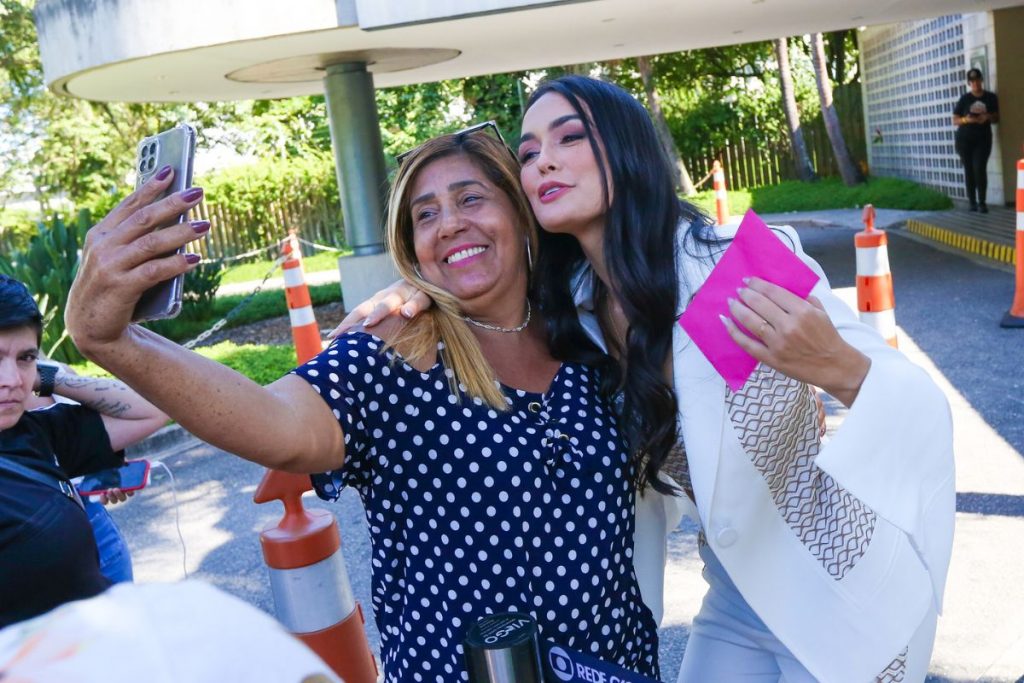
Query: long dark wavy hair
x=641, y=234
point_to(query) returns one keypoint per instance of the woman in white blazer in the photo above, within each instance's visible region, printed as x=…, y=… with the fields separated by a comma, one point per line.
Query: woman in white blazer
x=824, y=561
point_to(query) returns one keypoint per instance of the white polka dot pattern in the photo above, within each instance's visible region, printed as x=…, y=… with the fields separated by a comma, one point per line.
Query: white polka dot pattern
x=473, y=512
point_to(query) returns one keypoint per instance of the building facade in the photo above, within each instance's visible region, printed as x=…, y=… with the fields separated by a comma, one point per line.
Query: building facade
x=912, y=75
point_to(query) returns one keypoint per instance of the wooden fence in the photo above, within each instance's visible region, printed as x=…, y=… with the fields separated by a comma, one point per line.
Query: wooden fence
x=233, y=232
x=754, y=163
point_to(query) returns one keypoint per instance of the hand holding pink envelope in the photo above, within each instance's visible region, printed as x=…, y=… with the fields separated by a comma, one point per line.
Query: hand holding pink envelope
x=755, y=251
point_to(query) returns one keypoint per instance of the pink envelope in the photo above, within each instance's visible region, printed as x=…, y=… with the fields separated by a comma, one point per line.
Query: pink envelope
x=755, y=251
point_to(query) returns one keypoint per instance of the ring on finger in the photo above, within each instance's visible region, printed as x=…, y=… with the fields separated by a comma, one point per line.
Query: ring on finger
x=762, y=328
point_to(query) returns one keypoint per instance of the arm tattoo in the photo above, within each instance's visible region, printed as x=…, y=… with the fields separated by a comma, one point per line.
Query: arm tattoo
x=111, y=407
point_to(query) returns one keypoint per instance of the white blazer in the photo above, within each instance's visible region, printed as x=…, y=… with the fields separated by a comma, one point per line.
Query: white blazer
x=891, y=459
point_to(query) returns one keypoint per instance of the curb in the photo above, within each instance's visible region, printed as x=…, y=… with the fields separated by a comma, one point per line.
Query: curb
x=164, y=442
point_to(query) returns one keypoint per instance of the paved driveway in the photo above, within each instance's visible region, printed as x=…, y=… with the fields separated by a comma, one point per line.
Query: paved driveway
x=948, y=310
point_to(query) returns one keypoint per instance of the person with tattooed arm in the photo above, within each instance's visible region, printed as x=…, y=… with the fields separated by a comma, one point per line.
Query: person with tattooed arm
x=47, y=552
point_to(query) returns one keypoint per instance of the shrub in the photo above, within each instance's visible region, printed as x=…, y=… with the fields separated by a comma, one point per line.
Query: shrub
x=16, y=229
x=47, y=266
x=201, y=284
x=254, y=205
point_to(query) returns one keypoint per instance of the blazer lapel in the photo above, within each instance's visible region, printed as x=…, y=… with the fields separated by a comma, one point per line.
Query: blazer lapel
x=700, y=391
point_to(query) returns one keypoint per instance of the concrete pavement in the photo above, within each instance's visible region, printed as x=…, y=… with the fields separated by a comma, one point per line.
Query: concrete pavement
x=948, y=309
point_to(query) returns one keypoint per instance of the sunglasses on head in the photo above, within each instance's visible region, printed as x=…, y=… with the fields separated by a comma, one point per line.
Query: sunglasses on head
x=487, y=128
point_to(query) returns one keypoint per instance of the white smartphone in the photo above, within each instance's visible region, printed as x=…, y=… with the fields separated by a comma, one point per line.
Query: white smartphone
x=175, y=148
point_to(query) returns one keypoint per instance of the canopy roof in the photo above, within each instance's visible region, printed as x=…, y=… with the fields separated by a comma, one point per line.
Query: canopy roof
x=126, y=50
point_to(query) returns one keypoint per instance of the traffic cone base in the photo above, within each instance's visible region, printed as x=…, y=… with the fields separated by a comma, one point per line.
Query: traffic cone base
x=334, y=645
x=1015, y=316
x=1011, y=321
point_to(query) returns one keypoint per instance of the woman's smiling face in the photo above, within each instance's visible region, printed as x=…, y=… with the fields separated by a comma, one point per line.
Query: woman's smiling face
x=465, y=233
x=560, y=174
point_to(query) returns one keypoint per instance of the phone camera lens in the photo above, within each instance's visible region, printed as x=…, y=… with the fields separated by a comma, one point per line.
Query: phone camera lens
x=142, y=166
x=151, y=163
x=152, y=148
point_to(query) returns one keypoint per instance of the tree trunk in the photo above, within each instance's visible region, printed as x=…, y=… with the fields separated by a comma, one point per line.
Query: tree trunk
x=804, y=169
x=837, y=55
x=680, y=176
x=847, y=169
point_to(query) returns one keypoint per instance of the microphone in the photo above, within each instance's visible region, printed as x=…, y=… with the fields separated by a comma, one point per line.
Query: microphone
x=503, y=648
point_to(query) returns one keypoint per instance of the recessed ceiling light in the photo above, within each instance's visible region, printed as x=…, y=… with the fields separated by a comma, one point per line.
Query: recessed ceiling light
x=736, y=33
x=857, y=18
x=608, y=20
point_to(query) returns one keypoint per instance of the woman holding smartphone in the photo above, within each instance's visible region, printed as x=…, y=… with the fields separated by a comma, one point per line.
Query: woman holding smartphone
x=824, y=561
x=492, y=474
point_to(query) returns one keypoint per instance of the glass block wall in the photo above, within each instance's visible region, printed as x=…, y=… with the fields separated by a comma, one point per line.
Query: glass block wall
x=913, y=73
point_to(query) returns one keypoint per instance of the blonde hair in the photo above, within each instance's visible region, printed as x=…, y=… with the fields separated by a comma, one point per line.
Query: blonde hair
x=443, y=322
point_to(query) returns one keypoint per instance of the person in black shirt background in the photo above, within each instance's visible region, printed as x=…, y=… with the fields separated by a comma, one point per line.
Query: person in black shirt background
x=973, y=116
x=47, y=552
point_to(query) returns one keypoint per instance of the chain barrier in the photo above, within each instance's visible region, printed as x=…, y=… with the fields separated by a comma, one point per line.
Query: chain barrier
x=705, y=178
x=238, y=257
x=321, y=247
x=241, y=304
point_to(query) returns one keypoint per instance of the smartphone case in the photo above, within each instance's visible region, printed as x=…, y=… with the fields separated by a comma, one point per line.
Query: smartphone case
x=174, y=148
x=104, y=480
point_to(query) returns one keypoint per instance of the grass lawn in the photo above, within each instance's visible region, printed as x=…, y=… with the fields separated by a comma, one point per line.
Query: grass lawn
x=262, y=363
x=829, y=193
x=320, y=261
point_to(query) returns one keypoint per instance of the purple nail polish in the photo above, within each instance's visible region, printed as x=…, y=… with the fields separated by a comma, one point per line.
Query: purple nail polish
x=200, y=226
x=192, y=259
x=163, y=173
x=192, y=194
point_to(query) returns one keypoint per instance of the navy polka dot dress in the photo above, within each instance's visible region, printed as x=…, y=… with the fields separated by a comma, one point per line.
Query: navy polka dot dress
x=474, y=511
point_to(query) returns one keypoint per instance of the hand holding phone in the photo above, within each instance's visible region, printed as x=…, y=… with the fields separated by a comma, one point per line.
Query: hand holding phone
x=174, y=148
x=131, y=476
x=115, y=496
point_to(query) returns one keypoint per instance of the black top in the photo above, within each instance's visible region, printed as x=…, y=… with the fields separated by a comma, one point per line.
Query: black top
x=987, y=103
x=47, y=552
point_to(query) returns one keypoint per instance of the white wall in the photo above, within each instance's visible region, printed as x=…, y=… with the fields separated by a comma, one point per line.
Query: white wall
x=913, y=73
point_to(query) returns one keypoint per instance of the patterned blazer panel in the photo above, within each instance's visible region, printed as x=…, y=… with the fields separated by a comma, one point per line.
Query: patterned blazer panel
x=775, y=419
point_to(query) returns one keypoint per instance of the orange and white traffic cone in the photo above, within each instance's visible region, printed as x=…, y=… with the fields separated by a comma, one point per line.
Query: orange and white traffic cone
x=1015, y=316
x=721, y=196
x=305, y=331
x=876, y=302
x=312, y=594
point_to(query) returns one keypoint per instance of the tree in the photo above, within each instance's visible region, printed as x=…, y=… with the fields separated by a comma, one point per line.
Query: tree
x=841, y=47
x=804, y=168
x=680, y=176
x=847, y=169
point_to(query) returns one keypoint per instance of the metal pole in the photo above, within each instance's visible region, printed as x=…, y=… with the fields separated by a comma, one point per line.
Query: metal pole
x=358, y=154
